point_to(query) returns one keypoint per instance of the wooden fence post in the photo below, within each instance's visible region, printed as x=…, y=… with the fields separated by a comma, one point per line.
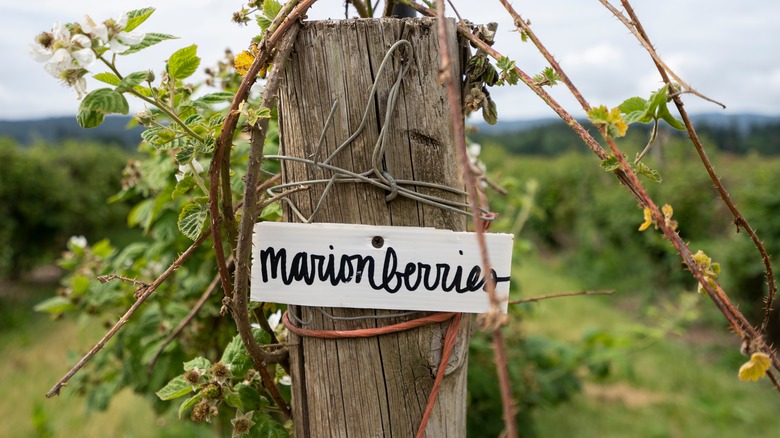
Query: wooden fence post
x=374, y=386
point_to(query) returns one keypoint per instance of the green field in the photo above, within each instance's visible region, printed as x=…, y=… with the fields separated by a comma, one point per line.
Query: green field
x=680, y=386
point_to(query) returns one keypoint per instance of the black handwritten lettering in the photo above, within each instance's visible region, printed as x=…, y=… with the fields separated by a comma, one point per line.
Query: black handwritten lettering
x=345, y=269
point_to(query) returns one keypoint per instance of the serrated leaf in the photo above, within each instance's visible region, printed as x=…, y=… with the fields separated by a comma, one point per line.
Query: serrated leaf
x=176, y=388
x=610, y=164
x=218, y=97
x=244, y=398
x=192, y=219
x=89, y=119
x=183, y=186
x=195, y=118
x=143, y=91
x=54, y=305
x=263, y=22
x=200, y=363
x=131, y=80
x=185, y=154
x=136, y=17
x=158, y=135
x=236, y=357
x=641, y=168
x=633, y=104
x=271, y=9
x=187, y=404
x=636, y=116
x=108, y=78
x=184, y=62
x=266, y=426
x=149, y=40
x=177, y=143
x=106, y=101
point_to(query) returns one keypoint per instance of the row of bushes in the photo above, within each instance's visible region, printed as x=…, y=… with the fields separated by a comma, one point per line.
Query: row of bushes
x=49, y=193
x=581, y=211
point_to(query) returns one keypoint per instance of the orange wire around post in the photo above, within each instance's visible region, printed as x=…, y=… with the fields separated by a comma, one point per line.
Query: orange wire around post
x=370, y=332
x=449, y=344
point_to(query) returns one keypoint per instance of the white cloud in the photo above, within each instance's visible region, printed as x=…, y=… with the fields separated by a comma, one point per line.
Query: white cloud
x=601, y=55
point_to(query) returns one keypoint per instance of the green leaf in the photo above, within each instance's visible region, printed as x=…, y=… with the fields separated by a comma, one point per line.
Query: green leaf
x=200, y=363
x=108, y=78
x=175, y=388
x=89, y=119
x=643, y=169
x=158, y=135
x=266, y=426
x=185, y=154
x=236, y=357
x=79, y=285
x=218, y=97
x=674, y=122
x=656, y=100
x=149, y=40
x=187, y=404
x=632, y=104
x=184, y=62
x=136, y=17
x=271, y=9
x=131, y=80
x=489, y=111
x=106, y=101
x=263, y=22
x=245, y=398
x=54, y=305
x=141, y=214
x=272, y=212
x=610, y=164
x=193, y=218
x=195, y=118
x=182, y=187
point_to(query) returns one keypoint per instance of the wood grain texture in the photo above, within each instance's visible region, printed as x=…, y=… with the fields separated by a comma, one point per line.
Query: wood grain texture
x=375, y=387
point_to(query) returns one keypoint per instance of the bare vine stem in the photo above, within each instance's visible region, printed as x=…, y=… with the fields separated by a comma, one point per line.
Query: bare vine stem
x=494, y=318
x=739, y=219
x=186, y=320
x=290, y=13
x=561, y=295
x=735, y=318
x=145, y=293
x=244, y=247
x=634, y=28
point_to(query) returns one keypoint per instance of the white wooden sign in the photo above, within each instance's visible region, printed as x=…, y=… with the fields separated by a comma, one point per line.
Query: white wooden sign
x=363, y=266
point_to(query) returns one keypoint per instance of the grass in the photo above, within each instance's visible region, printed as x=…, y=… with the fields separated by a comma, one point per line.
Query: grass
x=679, y=386
x=670, y=388
x=37, y=352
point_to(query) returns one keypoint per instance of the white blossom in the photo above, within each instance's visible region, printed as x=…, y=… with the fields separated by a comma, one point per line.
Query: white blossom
x=110, y=32
x=78, y=241
x=274, y=319
x=184, y=169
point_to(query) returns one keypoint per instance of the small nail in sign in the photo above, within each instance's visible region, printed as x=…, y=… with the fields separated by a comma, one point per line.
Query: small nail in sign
x=377, y=267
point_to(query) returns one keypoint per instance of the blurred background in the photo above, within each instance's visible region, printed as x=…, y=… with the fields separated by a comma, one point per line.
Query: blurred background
x=654, y=359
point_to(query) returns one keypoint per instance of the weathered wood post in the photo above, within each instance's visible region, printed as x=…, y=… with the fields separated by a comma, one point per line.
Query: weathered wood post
x=373, y=386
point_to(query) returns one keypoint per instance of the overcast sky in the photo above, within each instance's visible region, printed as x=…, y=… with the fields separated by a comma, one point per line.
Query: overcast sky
x=728, y=50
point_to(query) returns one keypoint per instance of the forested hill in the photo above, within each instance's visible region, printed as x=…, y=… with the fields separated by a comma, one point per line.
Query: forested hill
x=58, y=129
x=736, y=134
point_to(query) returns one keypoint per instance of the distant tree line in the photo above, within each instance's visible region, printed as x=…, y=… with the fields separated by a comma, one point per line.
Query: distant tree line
x=735, y=135
x=49, y=193
x=115, y=130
